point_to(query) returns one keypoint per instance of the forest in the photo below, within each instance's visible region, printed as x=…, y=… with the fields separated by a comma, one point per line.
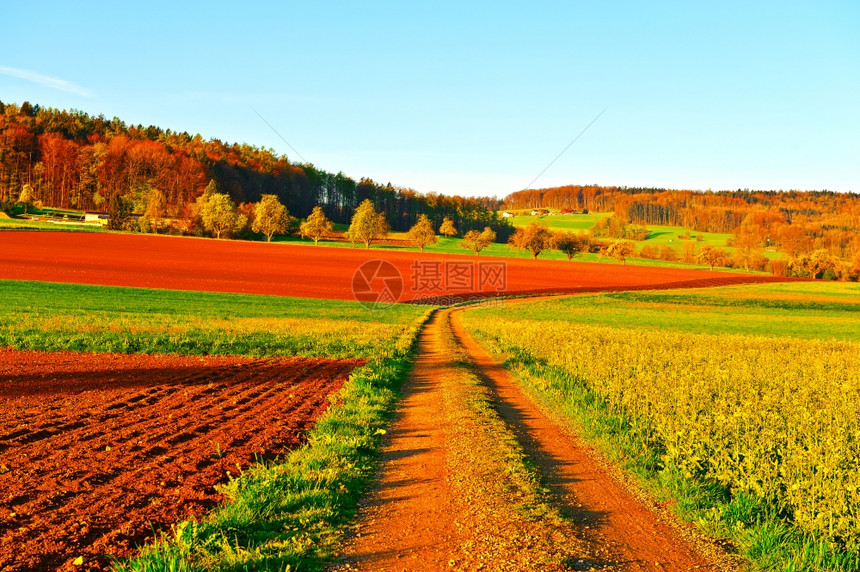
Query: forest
x=74, y=160
x=795, y=222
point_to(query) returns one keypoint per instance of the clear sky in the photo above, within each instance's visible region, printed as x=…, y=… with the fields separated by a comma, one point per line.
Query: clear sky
x=472, y=98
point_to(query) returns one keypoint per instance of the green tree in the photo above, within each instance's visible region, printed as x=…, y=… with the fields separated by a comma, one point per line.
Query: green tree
x=220, y=217
x=619, y=250
x=422, y=233
x=211, y=189
x=316, y=226
x=153, y=213
x=478, y=241
x=713, y=256
x=271, y=217
x=366, y=224
x=26, y=196
x=534, y=237
x=98, y=200
x=447, y=227
x=570, y=243
x=119, y=212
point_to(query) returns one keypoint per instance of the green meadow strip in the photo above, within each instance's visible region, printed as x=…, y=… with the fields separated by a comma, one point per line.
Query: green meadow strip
x=809, y=310
x=54, y=316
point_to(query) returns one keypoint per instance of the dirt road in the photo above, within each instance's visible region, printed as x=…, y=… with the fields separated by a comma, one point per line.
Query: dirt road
x=408, y=523
x=414, y=521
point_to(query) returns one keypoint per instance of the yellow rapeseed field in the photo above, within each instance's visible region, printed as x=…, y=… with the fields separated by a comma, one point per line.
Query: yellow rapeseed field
x=777, y=418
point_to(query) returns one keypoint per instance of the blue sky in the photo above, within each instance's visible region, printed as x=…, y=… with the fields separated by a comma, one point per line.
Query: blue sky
x=472, y=98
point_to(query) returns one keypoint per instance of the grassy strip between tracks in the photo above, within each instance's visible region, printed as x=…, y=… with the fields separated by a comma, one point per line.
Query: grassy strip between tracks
x=768, y=532
x=506, y=516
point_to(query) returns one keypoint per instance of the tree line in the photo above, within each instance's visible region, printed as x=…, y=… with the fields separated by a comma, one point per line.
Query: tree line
x=73, y=160
x=798, y=223
x=708, y=211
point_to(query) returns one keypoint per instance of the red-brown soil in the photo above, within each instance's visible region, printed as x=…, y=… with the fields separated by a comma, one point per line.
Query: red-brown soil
x=96, y=450
x=297, y=270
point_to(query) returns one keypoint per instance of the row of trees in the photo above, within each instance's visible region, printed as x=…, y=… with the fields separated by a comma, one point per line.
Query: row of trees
x=70, y=159
x=796, y=222
x=218, y=215
x=213, y=212
x=368, y=225
x=536, y=238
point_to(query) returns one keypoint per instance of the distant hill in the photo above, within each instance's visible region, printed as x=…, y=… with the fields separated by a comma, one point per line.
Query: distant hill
x=75, y=160
x=795, y=222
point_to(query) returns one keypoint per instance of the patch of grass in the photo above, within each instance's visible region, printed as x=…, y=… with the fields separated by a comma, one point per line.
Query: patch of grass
x=575, y=222
x=812, y=310
x=30, y=224
x=452, y=246
x=658, y=235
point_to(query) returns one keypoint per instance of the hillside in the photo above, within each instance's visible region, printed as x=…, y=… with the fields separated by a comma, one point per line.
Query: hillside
x=74, y=160
x=796, y=223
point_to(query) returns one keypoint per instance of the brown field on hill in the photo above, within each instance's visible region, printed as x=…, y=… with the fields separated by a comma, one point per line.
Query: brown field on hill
x=295, y=270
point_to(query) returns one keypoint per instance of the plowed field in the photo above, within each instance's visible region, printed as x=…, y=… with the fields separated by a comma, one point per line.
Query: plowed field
x=307, y=271
x=97, y=449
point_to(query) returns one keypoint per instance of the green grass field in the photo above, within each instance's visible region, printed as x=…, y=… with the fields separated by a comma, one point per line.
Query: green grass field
x=714, y=399
x=658, y=235
x=812, y=310
x=452, y=246
x=23, y=224
x=287, y=514
x=575, y=222
x=50, y=316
